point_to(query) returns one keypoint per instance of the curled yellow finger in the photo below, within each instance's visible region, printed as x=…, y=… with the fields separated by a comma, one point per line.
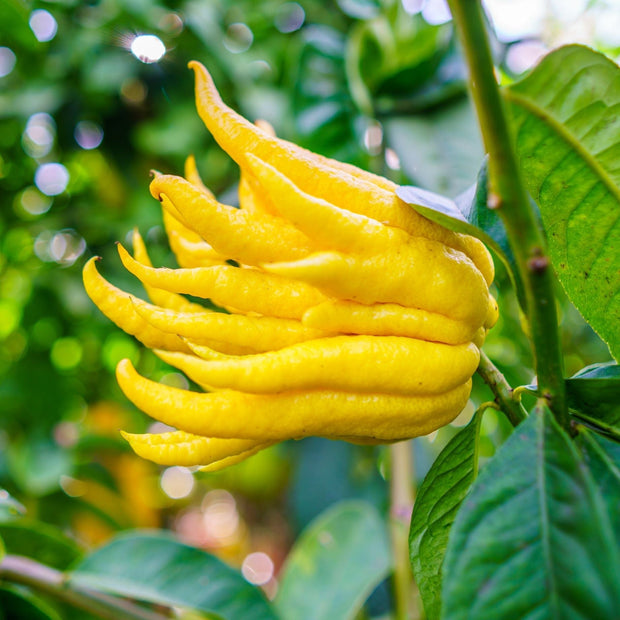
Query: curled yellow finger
x=158, y=296
x=364, y=364
x=349, y=317
x=181, y=448
x=270, y=418
x=247, y=290
x=250, y=238
x=118, y=306
x=327, y=225
x=257, y=333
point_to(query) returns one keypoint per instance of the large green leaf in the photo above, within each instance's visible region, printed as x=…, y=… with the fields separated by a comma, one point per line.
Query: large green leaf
x=594, y=397
x=603, y=459
x=335, y=564
x=154, y=567
x=567, y=134
x=39, y=541
x=533, y=539
x=436, y=505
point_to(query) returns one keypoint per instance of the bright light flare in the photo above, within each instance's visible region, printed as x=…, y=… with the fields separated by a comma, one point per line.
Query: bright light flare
x=148, y=48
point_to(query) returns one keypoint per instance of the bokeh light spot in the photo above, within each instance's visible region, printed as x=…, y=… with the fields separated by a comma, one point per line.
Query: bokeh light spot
x=88, y=135
x=7, y=61
x=436, y=12
x=51, y=179
x=177, y=482
x=238, y=38
x=43, y=24
x=33, y=202
x=290, y=17
x=117, y=347
x=257, y=568
x=38, y=137
x=66, y=353
x=148, y=48
x=10, y=316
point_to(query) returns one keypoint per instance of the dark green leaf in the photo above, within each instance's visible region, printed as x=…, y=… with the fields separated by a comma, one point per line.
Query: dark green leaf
x=23, y=605
x=435, y=508
x=567, y=135
x=156, y=568
x=335, y=564
x=39, y=541
x=594, y=396
x=603, y=459
x=533, y=539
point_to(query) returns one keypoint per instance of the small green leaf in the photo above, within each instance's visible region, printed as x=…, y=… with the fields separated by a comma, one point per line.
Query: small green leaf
x=154, y=567
x=594, y=397
x=567, y=136
x=435, y=508
x=603, y=459
x=335, y=564
x=39, y=541
x=533, y=539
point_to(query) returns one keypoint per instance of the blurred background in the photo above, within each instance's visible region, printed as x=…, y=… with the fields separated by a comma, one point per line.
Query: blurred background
x=95, y=94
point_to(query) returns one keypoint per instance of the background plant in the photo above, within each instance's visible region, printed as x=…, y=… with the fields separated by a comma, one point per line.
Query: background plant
x=364, y=82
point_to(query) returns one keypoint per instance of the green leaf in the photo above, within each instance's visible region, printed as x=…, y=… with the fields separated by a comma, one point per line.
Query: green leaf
x=39, y=541
x=154, y=567
x=435, y=508
x=441, y=149
x=335, y=564
x=594, y=397
x=603, y=459
x=567, y=136
x=533, y=539
x=23, y=605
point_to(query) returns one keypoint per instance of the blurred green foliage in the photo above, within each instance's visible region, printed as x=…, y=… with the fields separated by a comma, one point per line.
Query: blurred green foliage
x=359, y=80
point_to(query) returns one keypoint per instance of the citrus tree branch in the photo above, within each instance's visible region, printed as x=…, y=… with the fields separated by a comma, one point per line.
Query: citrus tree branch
x=508, y=196
x=24, y=571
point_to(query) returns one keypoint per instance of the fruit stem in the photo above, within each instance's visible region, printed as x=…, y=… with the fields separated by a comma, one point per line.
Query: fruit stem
x=507, y=195
x=512, y=408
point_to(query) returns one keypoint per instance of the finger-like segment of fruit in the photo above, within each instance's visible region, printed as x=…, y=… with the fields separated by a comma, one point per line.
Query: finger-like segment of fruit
x=420, y=274
x=193, y=176
x=158, y=296
x=247, y=290
x=259, y=333
x=327, y=225
x=252, y=197
x=348, y=317
x=365, y=364
x=118, y=306
x=181, y=448
x=247, y=237
x=187, y=246
x=357, y=191
x=277, y=417
x=492, y=313
x=233, y=460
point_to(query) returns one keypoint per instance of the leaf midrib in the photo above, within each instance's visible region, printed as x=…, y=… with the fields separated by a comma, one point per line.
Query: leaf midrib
x=560, y=129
